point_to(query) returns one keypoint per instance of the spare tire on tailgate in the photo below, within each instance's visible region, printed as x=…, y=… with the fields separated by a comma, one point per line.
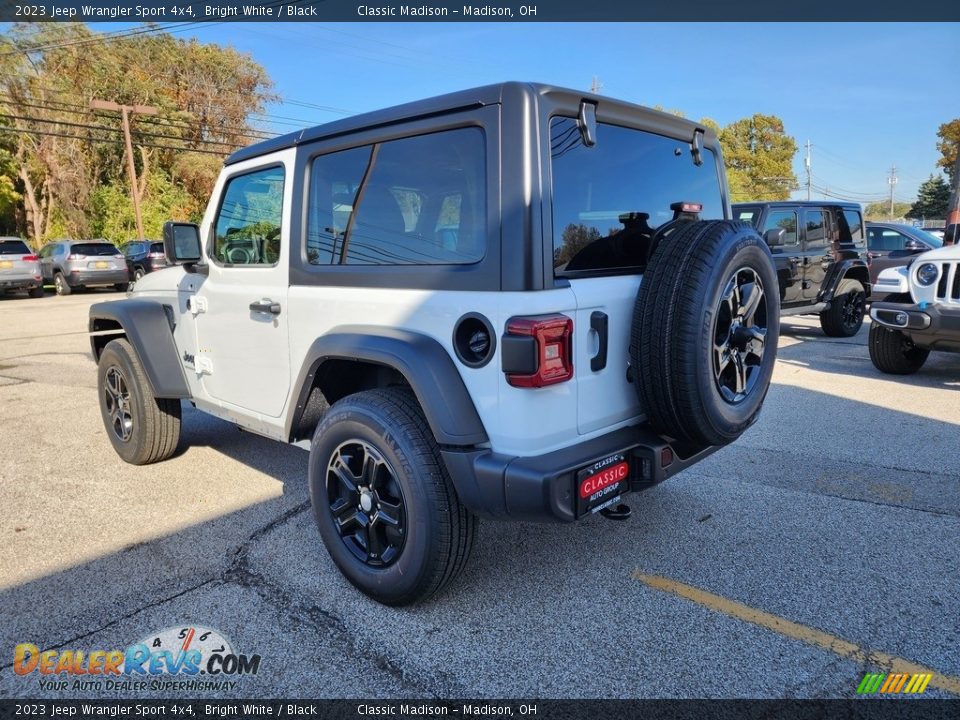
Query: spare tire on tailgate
x=705, y=329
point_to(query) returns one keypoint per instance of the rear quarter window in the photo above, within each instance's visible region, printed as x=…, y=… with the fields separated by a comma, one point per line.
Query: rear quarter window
x=609, y=199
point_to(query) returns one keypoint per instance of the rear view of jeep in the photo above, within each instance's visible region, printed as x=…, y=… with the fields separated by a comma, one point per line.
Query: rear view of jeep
x=516, y=302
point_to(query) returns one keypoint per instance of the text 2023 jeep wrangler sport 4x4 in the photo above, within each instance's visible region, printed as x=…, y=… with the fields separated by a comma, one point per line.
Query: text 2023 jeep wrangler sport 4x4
x=443, y=302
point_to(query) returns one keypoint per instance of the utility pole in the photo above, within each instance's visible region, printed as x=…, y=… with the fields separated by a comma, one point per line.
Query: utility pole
x=596, y=86
x=892, y=181
x=809, y=174
x=125, y=112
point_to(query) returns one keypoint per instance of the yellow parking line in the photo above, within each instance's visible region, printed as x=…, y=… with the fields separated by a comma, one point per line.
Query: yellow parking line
x=790, y=629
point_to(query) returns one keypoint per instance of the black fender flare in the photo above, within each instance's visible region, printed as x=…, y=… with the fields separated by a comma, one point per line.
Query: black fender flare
x=149, y=329
x=840, y=272
x=419, y=358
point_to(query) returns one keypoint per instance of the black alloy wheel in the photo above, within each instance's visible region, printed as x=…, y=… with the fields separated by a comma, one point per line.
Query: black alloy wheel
x=366, y=503
x=739, y=335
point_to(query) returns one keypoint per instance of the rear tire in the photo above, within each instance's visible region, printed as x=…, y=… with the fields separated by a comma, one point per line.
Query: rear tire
x=137, y=274
x=36, y=292
x=60, y=284
x=844, y=317
x=122, y=287
x=892, y=352
x=143, y=429
x=373, y=459
x=703, y=346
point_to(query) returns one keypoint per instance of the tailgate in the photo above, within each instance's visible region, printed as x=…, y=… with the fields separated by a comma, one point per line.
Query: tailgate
x=604, y=397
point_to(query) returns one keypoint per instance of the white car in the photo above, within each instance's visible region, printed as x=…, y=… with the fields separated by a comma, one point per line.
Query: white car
x=920, y=314
x=500, y=303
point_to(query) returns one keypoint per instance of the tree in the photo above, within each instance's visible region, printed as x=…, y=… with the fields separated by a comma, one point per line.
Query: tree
x=759, y=157
x=932, y=198
x=949, y=134
x=881, y=210
x=68, y=158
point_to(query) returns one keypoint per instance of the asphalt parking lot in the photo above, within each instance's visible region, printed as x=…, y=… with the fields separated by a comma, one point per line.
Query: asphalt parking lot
x=821, y=546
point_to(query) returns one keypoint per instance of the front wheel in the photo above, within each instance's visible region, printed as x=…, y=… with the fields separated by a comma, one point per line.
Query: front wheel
x=893, y=352
x=60, y=284
x=142, y=428
x=382, y=499
x=845, y=315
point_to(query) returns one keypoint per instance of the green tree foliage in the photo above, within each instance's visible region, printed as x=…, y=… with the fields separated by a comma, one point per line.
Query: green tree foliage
x=759, y=157
x=949, y=135
x=205, y=94
x=881, y=210
x=932, y=198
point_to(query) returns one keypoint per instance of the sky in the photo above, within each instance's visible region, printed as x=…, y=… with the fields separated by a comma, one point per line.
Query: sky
x=868, y=96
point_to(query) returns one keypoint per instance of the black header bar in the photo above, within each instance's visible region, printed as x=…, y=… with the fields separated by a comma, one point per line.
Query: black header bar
x=164, y=11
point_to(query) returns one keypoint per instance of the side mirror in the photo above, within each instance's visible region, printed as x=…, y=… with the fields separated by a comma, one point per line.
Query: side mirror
x=774, y=236
x=951, y=236
x=181, y=243
x=915, y=246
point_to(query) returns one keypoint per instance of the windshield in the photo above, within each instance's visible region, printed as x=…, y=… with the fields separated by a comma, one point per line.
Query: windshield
x=609, y=199
x=13, y=247
x=94, y=249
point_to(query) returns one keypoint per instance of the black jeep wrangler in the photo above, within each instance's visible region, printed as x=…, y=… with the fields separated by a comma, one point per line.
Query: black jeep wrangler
x=821, y=256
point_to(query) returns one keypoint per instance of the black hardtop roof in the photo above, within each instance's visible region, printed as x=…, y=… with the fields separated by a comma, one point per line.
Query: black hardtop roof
x=798, y=203
x=461, y=100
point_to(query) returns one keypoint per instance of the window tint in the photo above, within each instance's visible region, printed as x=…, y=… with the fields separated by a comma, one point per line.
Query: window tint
x=887, y=240
x=851, y=226
x=249, y=221
x=414, y=201
x=13, y=247
x=93, y=249
x=610, y=198
x=785, y=220
x=156, y=247
x=816, y=228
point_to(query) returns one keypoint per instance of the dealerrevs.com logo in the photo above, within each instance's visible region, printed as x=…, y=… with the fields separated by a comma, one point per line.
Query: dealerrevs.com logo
x=184, y=652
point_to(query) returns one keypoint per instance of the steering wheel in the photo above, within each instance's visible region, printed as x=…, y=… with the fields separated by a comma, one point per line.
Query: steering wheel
x=239, y=256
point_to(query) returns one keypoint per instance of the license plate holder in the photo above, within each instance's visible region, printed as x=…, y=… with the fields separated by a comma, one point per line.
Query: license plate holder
x=602, y=483
x=6, y=264
x=101, y=265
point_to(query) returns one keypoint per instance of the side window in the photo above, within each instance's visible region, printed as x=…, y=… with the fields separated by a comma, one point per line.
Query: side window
x=785, y=220
x=892, y=240
x=247, y=230
x=413, y=201
x=816, y=229
x=851, y=227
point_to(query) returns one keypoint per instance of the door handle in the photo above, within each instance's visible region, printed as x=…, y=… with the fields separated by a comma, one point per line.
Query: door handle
x=598, y=323
x=266, y=305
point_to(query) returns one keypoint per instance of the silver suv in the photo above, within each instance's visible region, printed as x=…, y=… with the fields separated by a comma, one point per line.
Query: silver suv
x=72, y=265
x=19, y=268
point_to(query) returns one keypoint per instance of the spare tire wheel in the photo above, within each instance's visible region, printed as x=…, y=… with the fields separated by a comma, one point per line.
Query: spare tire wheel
x=704, y=333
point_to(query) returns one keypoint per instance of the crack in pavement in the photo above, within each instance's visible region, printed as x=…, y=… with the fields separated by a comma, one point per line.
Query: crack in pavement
x=239, y=573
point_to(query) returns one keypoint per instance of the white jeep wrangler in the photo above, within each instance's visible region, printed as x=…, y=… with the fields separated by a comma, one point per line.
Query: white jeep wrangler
x=920, y=314
x=442, y=301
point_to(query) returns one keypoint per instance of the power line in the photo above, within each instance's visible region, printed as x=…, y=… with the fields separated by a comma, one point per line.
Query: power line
x=24, y=131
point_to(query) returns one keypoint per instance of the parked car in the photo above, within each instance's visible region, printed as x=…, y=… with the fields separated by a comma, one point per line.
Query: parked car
x=893, y=244
x=515, y=313
x=937, y=232
x=821, y=256
x=921, y=312
x=73, y=265
x=19, y=268
x=144, y=256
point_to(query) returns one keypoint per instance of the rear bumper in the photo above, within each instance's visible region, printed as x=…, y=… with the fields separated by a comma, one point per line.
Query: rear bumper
x=20, y=283
x=97, y=277
x=929, y=326
x=542, y=487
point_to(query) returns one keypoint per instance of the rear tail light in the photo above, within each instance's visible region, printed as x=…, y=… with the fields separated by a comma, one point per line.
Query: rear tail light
x=30, y=258
x=538, y=351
